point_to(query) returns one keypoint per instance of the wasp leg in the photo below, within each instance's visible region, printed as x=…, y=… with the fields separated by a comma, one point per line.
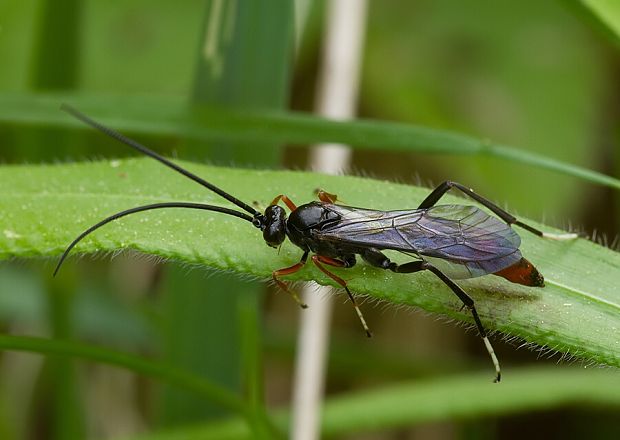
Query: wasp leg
x=287, y=271
x=376, y=258
x=469, y=303
x=326, y=197
x=443, y=188
x=318, y=259
x=288, y=202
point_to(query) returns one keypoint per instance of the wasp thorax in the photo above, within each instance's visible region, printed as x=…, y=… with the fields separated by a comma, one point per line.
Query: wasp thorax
x=275, y=225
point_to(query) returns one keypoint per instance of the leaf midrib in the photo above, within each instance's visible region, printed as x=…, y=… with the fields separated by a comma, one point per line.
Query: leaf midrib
x=576, y=292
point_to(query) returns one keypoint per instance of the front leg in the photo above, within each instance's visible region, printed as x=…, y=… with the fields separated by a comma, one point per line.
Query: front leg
x=288, y=202
x=287, y=271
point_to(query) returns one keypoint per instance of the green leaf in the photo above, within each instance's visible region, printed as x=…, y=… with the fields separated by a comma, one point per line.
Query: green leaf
x=408, y=404
x=156, y=369
x=56, y=67
x=42, y=208
x=171, y=116
x=606, y=13
x=230, y=71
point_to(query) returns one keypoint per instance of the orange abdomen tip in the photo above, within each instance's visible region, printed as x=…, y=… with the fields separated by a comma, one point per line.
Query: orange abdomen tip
x=522, y=272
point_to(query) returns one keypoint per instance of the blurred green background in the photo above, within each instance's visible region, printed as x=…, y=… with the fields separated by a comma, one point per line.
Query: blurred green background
x=542, y=76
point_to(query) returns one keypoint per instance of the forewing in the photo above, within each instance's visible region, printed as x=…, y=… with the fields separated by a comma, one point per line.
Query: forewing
x=461, y=241
x=454, y=232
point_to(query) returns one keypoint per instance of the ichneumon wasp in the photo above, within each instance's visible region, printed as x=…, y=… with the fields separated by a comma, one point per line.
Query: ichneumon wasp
x=451, y=241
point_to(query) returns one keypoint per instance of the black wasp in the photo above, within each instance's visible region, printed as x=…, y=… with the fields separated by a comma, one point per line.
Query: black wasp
x=451, y=241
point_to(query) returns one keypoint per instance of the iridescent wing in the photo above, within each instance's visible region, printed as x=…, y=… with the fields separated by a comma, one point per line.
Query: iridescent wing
x=463, y=241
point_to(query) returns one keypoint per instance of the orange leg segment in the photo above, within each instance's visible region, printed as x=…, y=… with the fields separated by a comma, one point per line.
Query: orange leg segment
x=288, y=202
x=287, y=271
x=326, y=197
x=317, y=260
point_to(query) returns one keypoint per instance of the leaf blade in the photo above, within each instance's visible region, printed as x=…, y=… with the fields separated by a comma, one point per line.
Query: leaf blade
x=171, y=116
x=44, y=207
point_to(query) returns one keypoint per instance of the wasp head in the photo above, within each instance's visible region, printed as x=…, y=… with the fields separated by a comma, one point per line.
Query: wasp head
x=274, y=225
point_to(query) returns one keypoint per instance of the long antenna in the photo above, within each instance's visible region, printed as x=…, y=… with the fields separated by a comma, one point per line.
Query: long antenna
x=147, y=208
x=141, y=148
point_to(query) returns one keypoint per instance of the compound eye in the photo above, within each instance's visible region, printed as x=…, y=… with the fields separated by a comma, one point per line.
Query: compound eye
x=275, y=225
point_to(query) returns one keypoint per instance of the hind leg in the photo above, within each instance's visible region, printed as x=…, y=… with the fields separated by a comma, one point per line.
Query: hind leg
x=444, y=187
x=376, y=258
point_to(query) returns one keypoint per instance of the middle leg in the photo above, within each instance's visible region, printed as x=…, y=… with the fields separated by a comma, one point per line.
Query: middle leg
x=317, y=260
x=326, y=197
